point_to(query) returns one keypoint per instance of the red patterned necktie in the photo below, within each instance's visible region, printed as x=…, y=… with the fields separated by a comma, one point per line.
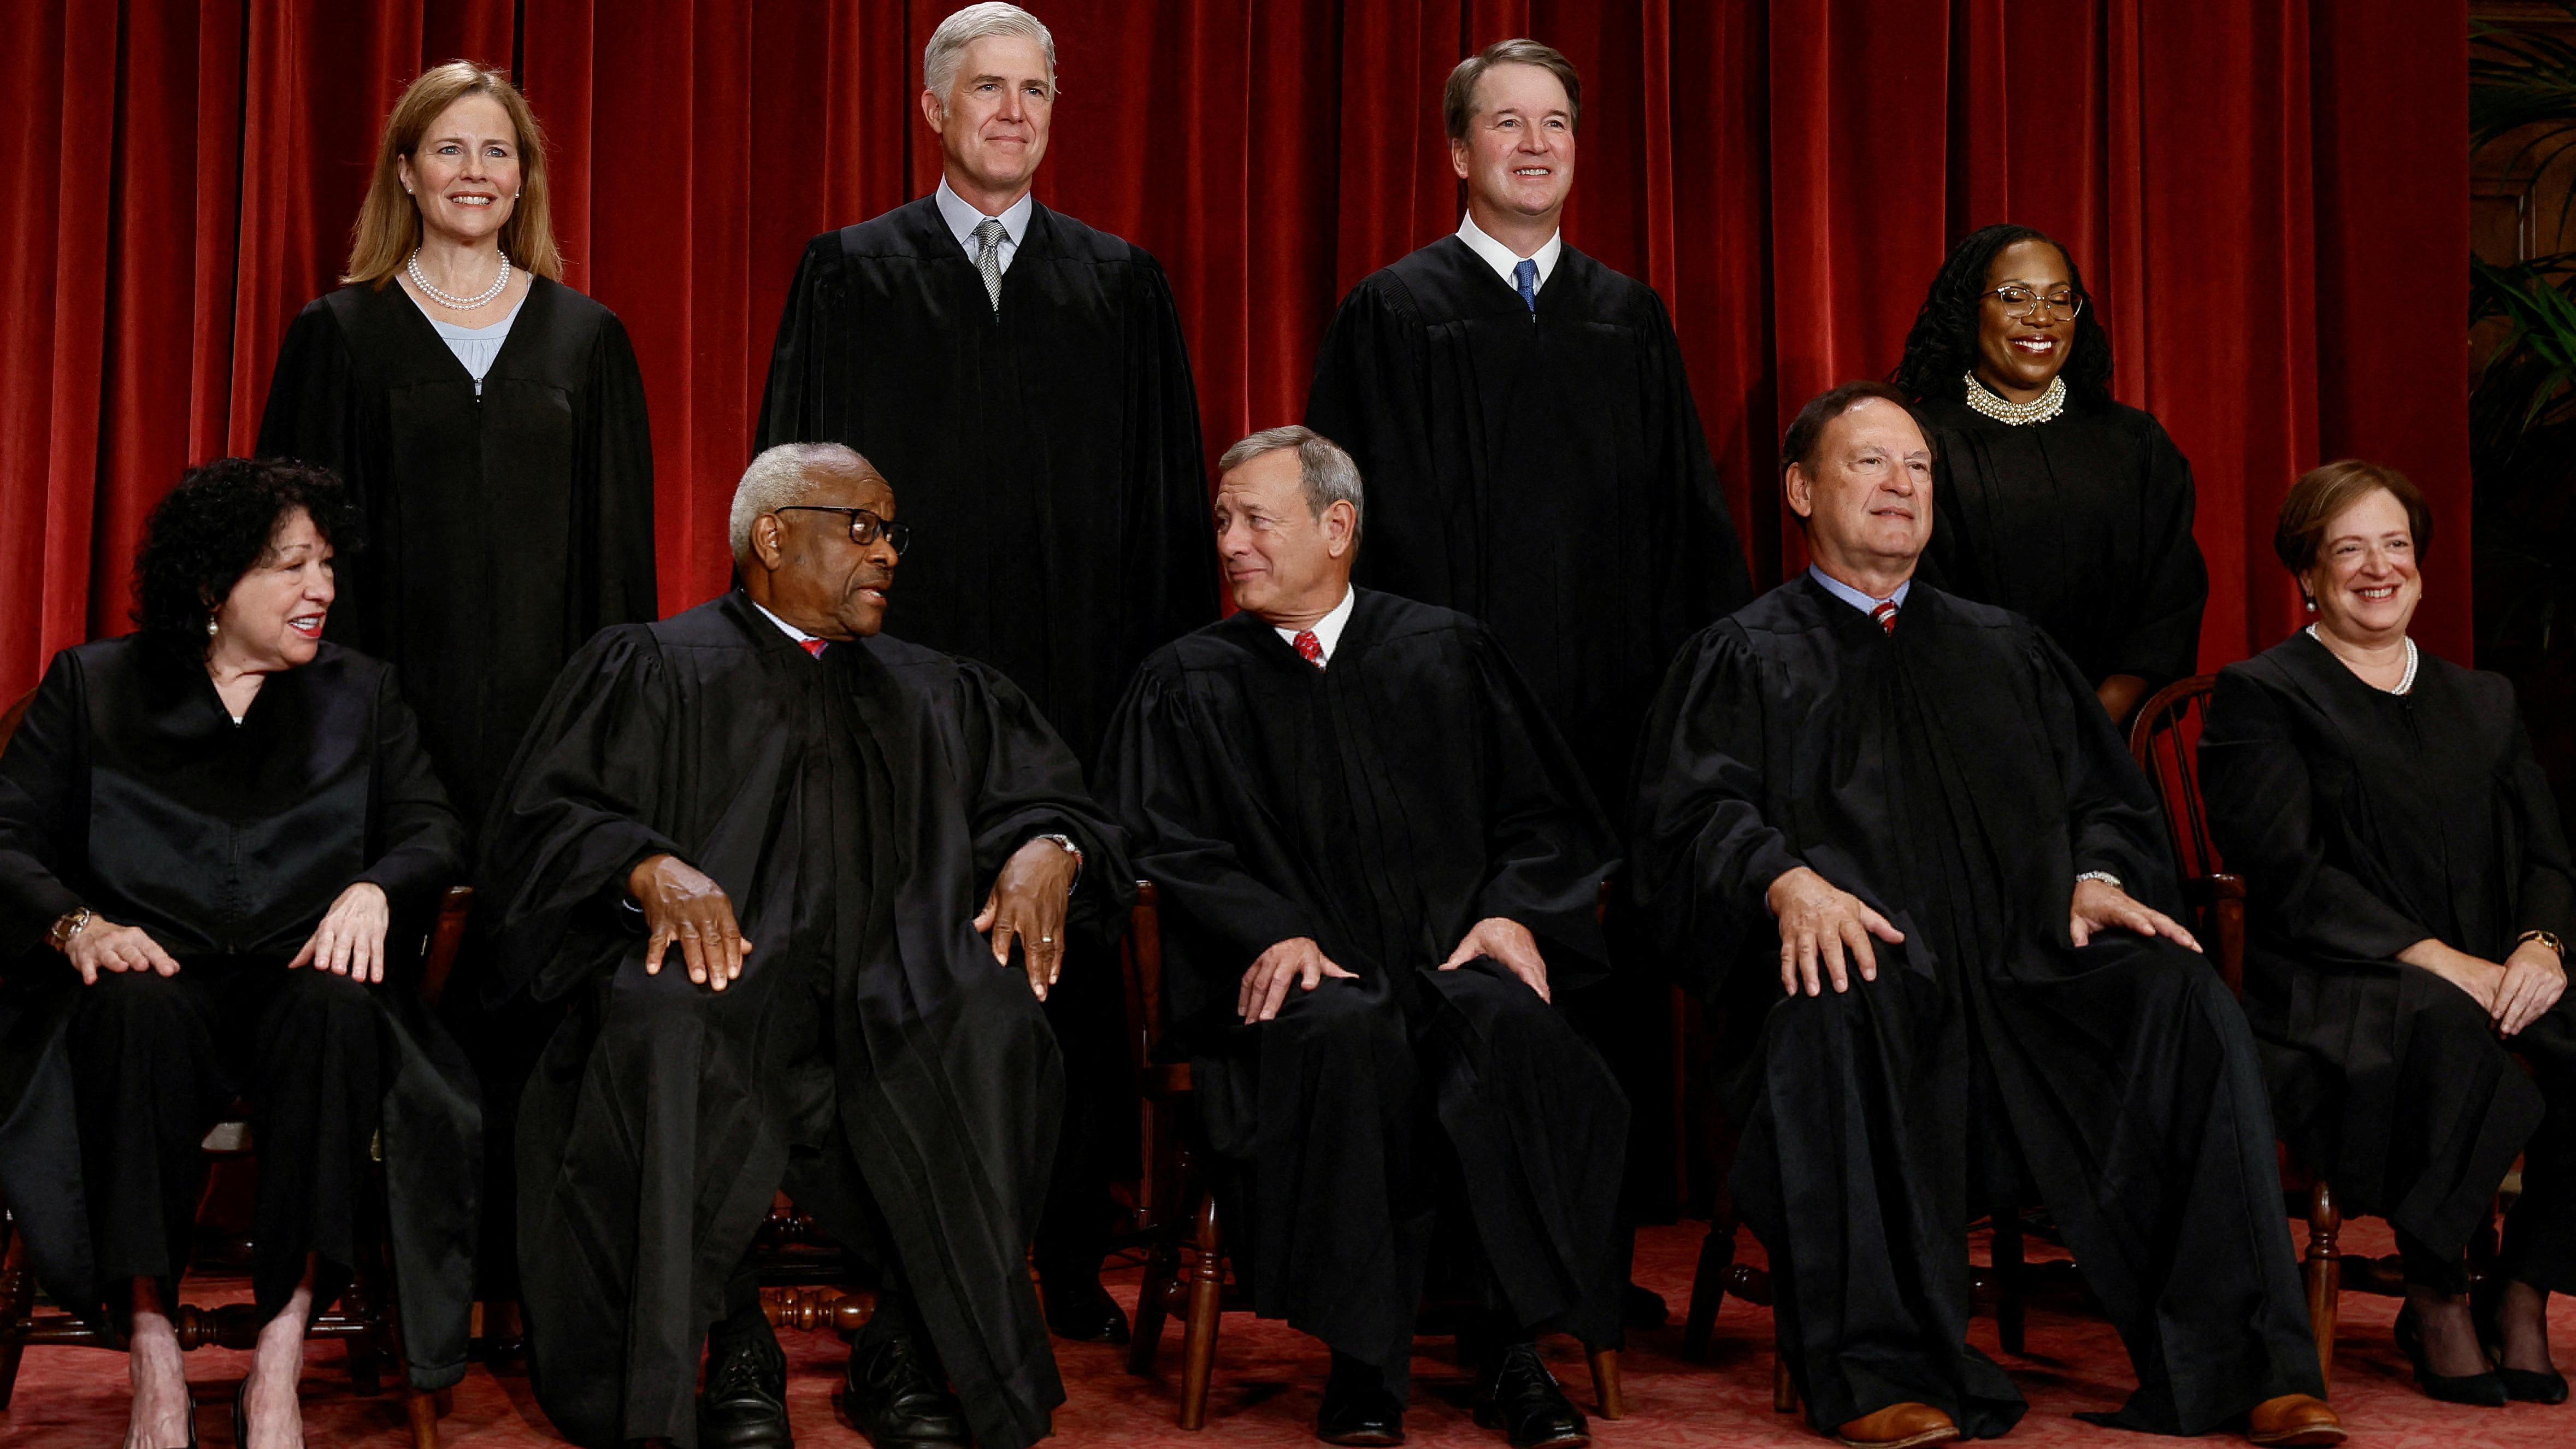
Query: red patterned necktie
x=1310, y=648
x=1885, y=614
x=814, y=646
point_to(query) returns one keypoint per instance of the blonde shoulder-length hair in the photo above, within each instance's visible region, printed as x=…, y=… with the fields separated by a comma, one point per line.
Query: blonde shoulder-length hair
x=389, y=221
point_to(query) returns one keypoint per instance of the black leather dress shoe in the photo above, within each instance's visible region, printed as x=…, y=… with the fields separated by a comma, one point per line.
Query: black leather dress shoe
x=894, y=1396
x=1078, y=1308
x=1358, y=1406
x=744, y=1403
x=1521, y=1398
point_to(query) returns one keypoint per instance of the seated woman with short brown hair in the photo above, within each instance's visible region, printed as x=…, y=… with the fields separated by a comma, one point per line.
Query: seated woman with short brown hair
x=219, y=846
x=2407, y=887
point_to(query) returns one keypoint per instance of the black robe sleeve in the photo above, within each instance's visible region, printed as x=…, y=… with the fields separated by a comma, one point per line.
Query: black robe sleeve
x=1031, y=786
x=2547, y=898
x=2261, y=799
x=613, y=494
x=421, y=843
x=2113, y=821
x=791, y=404
x=569, y=823
x=1159, y=778
x=1547, y=846
x=2164, y=644
x=1706, y=559
x=41, y=777
x=1368, y=397
x=1702, y=856
x=1168, y=555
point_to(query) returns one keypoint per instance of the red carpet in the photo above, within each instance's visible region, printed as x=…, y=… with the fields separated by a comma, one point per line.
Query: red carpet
x=1267, y=1378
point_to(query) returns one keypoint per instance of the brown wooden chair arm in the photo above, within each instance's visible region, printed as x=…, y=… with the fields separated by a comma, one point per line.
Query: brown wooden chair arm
x=446, y=937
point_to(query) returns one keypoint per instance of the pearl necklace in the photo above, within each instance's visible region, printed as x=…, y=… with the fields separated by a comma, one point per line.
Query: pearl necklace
x=2047, y=405
x=450, y=300
x=2405, y=682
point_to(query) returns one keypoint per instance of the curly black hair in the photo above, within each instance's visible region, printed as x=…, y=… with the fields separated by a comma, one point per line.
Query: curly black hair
x=1942, y=348
x=214, y=527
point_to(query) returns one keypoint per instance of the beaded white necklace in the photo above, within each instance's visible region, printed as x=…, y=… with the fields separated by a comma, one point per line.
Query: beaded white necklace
x=2405, y=682
x=2039, y=410
x=450, y=300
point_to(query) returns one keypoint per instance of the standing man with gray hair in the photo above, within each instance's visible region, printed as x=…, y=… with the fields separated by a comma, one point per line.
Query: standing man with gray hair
x=1523, y=417
x=1379, y=870
x=800, y=889
x=1024, y=375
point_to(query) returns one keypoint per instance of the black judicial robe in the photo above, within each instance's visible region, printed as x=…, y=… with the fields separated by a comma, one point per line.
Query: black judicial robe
x=2081, y=524
x=129, y=789
x=503, y=529
x=1548, y=477
x=856, y=809
x=2364, y=822
x=1957, y=776
x=1047, y=455
x=1381, y=807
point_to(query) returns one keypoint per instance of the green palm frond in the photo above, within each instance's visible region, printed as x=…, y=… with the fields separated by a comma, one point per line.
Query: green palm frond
x=2524, y=80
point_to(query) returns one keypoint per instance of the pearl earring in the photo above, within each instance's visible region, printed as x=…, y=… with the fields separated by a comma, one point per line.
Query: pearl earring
x=210, y=628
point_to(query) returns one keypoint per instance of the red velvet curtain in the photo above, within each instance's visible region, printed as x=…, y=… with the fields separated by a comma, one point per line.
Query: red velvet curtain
x=2269, y=198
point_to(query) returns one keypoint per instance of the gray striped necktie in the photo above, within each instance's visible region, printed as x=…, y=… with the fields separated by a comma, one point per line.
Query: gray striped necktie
x=988, y=258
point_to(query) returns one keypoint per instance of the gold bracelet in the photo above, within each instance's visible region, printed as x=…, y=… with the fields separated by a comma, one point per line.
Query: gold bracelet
x=70, y=924
x=2546, y=938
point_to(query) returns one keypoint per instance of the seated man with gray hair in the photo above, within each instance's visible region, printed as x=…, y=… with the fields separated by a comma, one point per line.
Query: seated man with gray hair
x=773, y=865
x=1379, y=868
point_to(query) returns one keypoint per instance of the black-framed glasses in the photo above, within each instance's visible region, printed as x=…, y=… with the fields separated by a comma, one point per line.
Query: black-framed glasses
x=865, y=527
x=2023, y=302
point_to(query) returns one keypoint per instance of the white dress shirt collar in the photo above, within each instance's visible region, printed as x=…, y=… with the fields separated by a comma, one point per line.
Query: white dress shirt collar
x=790, y=630
x=962, y=220
x=1328, y=629
x=1503, y=260
x=1855, y=597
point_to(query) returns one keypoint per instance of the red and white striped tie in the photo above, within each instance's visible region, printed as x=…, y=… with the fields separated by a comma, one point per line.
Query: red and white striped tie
x=1885, y=614
x=1310, y=648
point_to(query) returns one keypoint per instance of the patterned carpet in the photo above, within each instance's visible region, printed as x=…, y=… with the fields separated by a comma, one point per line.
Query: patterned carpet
x=1268, y=1377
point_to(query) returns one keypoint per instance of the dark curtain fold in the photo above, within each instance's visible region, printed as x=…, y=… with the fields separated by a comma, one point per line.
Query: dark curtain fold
x=2269, y=200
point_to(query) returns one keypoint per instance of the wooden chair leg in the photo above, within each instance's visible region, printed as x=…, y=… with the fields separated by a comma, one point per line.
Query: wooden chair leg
x=1708, y=1287
x=1605, y=1383
x=1207, y=1294
x=1784, y=1389
x=2010, y=1322
x=2323, y=1271
x=421, y=1406
x=17, y=1296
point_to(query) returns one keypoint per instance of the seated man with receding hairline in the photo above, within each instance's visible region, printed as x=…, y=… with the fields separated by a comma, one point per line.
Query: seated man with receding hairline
x=1893, y=832
x=1379, y=867
x=774, y=863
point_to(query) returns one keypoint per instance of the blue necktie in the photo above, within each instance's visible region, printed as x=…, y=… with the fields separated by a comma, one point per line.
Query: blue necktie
x=1525, y=277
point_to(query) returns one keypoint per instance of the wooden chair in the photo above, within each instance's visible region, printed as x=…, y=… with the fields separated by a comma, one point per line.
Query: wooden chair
x=2165, y=741
x=366, y=1319
x=1179, y=1197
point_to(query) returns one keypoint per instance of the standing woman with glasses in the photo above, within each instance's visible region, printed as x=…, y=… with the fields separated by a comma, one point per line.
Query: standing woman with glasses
x=2049, y=498
x=489, y=419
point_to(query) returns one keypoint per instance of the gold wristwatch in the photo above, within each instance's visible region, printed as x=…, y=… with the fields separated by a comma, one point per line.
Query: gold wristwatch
x=2546, y=938
x=70, y=924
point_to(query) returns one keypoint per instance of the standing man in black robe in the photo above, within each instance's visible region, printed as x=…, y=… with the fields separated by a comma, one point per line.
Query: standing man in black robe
x=1024, y=376
x=1363, y=826
x=818, y=821
x=1908, y=811
x=1535, y=460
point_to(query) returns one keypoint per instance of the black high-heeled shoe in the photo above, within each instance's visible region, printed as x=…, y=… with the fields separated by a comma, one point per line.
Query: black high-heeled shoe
x=2485, y=1391
x=2486, y=1305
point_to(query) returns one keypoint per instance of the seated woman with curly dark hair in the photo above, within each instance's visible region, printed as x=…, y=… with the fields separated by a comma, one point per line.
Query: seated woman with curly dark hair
x=2407, y=892
x=220, y=844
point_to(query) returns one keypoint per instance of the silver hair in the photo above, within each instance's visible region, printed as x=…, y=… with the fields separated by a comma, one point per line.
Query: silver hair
x=1328, y=473
x=782, y=476
x=947, y=48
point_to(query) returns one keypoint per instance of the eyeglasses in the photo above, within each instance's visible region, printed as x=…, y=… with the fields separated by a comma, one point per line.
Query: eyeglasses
x=865, y=527
x=2023, y=302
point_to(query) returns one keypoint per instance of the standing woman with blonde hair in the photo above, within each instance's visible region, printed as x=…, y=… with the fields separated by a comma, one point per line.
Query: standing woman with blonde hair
x=489, y=420
x=490, y=424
